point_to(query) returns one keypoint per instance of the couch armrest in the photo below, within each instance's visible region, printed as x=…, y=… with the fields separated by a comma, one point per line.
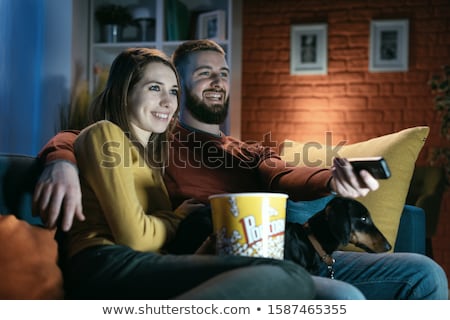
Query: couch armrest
x=411, y=231
x=431, y=205
x=18, y=175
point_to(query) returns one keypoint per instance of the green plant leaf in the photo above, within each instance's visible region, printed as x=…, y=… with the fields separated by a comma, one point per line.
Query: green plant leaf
x=443, y=86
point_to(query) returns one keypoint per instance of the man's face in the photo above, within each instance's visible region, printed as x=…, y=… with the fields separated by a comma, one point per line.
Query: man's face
x=205, y=83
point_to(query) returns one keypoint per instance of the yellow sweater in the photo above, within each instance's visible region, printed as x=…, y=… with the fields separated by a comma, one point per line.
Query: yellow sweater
x=125, y=202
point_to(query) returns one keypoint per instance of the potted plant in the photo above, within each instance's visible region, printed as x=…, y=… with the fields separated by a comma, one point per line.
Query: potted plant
x=112, y=18
x=74, y=114
x=440, y=87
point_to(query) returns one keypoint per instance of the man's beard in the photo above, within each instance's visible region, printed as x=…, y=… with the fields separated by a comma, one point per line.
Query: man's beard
x=211, y=114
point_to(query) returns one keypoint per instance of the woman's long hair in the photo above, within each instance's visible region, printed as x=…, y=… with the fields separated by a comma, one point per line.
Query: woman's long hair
x=112, y=103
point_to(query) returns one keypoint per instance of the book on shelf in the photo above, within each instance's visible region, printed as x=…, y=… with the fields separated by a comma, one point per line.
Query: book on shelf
x=177, y=20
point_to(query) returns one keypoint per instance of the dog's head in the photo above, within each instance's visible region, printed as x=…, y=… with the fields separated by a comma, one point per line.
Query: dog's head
x=349, y=221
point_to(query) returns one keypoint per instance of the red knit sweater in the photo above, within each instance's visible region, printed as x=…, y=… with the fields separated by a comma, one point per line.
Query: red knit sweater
x=202, y=164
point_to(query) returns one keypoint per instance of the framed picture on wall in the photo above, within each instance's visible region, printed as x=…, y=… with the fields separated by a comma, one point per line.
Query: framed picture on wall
x=309, y=49
x=211, y=25
x=389, y=45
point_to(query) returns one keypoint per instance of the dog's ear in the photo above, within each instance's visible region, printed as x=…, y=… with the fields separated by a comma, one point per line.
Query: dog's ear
x=339, y=220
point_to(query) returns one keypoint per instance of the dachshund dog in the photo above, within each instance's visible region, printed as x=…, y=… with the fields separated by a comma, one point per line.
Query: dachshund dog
x=341, y=222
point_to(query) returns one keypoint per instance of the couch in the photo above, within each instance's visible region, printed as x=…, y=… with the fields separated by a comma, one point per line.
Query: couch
x=18, y=175
x=426, y=191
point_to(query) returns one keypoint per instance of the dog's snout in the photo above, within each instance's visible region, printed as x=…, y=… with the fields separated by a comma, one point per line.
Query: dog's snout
x=374, y=243
x=380, y=244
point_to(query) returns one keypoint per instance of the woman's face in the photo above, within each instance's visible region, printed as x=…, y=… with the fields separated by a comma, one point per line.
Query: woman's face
x=153, y=101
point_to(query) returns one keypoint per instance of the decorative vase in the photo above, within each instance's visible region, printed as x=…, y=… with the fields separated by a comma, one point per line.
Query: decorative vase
x=145, y=19
x=146, y=29
x=111, y=33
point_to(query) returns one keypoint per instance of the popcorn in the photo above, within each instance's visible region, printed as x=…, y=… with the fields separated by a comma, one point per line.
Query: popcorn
x=274, y=247
x=250, y=224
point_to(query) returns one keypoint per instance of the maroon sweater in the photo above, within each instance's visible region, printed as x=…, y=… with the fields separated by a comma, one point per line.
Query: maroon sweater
x=202, y=164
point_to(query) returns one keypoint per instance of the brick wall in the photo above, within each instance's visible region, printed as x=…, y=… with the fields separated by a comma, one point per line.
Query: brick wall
x=351, y=103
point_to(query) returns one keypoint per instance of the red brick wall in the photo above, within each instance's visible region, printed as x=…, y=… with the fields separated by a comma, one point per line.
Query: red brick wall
x=349, y=101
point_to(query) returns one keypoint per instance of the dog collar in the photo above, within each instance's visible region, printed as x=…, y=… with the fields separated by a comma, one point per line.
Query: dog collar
x=325, y=257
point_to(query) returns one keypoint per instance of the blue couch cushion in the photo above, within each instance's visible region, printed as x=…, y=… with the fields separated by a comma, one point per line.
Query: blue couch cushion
x=412, y=231
x=301, y=211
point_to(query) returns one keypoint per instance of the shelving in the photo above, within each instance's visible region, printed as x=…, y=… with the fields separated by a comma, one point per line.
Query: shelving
x=102, y=53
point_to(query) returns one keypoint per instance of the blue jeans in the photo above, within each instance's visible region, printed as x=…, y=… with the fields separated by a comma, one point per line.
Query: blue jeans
x=382, y=276
x=118, y=272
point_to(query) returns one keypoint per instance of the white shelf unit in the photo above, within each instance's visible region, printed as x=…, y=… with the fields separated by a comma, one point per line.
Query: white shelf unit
x=101, y=54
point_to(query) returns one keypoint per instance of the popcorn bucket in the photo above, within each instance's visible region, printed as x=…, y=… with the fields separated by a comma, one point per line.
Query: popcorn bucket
x=249, y=224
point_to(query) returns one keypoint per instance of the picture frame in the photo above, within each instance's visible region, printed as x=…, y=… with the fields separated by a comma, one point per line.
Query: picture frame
x=211, y=25
x=389, y=45
x=309, y=49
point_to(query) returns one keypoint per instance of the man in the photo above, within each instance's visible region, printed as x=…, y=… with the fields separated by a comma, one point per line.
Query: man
x=204, y=161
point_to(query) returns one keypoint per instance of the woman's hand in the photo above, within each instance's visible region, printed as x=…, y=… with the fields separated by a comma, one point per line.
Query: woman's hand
x=189, y=206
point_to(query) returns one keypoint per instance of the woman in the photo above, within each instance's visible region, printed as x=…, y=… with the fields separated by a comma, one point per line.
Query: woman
x=118, y=251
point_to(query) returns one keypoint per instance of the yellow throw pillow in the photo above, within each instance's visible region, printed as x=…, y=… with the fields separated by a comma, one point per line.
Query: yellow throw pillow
x=400, y=149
